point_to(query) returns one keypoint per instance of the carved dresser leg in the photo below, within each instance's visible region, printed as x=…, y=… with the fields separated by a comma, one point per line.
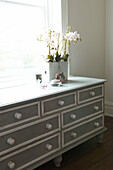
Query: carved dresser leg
x=100, y=138
x=58, y=161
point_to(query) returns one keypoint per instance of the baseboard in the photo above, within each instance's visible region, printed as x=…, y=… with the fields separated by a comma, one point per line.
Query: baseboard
x=109, y=103
x=109, y=109
x=107, y=114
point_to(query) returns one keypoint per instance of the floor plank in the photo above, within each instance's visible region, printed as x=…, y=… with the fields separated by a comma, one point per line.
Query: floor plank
x=92, y=157
x=104, y=164
x=108, y=122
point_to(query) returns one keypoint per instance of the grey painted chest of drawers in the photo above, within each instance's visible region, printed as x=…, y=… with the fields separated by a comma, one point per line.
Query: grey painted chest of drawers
x=37, y=125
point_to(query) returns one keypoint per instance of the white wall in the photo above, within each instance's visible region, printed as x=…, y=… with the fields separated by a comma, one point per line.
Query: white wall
x=88, y=17
x=93, y=56
x=109, y=57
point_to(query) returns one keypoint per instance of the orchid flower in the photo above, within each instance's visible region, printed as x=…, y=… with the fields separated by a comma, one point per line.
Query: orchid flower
x=58, y=42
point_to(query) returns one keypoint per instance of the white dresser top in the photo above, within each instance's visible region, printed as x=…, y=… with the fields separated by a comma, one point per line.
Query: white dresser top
x=34, y=91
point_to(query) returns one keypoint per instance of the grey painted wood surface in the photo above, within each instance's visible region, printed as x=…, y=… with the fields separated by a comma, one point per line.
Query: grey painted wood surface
x=33, y=91
x=54, y=120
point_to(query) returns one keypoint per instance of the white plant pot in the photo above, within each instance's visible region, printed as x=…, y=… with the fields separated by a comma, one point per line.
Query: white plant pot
x=57, y=67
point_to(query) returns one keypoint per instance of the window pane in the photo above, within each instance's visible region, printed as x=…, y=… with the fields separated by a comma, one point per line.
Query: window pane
x=20, y=25
x=25, y=2
x=21, y=21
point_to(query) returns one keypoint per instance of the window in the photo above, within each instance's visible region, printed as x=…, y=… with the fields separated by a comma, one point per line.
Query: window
x=21, y=22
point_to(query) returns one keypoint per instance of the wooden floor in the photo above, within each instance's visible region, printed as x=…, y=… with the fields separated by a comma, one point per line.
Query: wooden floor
x=89, y=155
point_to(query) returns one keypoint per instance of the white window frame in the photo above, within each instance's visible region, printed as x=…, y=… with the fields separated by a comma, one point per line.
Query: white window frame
x=64, y=14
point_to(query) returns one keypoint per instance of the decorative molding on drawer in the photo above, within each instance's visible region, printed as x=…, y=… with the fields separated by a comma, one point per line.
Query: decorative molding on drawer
x=20, y=107
x=31, y=146
x=35, y=138
x=86, y=134
x=54, y=98
x=84, y=118
x=93, y=97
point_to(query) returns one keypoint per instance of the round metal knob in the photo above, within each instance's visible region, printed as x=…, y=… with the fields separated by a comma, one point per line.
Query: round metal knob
x=10, y=141
x=18, y=116
x=96, y=108
x=92, y=93
x=11, y=164
x=73, y=134
x=96, y=124
x=61, y=103
x=73, y=116
x=49, y=147
x=49, y=126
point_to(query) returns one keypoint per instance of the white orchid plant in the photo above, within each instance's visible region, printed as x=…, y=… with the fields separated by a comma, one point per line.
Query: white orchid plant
x=57, y=43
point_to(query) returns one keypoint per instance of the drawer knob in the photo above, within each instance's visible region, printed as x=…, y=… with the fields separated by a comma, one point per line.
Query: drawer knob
x=92, y=93
x=10, y=141
x=18, y=116
x=96, y=108
x=73, y=116
x=11, y=164
x=96, y=124
x=49, y=126
x=61, y=103
x=73, y=134
x=49, y=147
